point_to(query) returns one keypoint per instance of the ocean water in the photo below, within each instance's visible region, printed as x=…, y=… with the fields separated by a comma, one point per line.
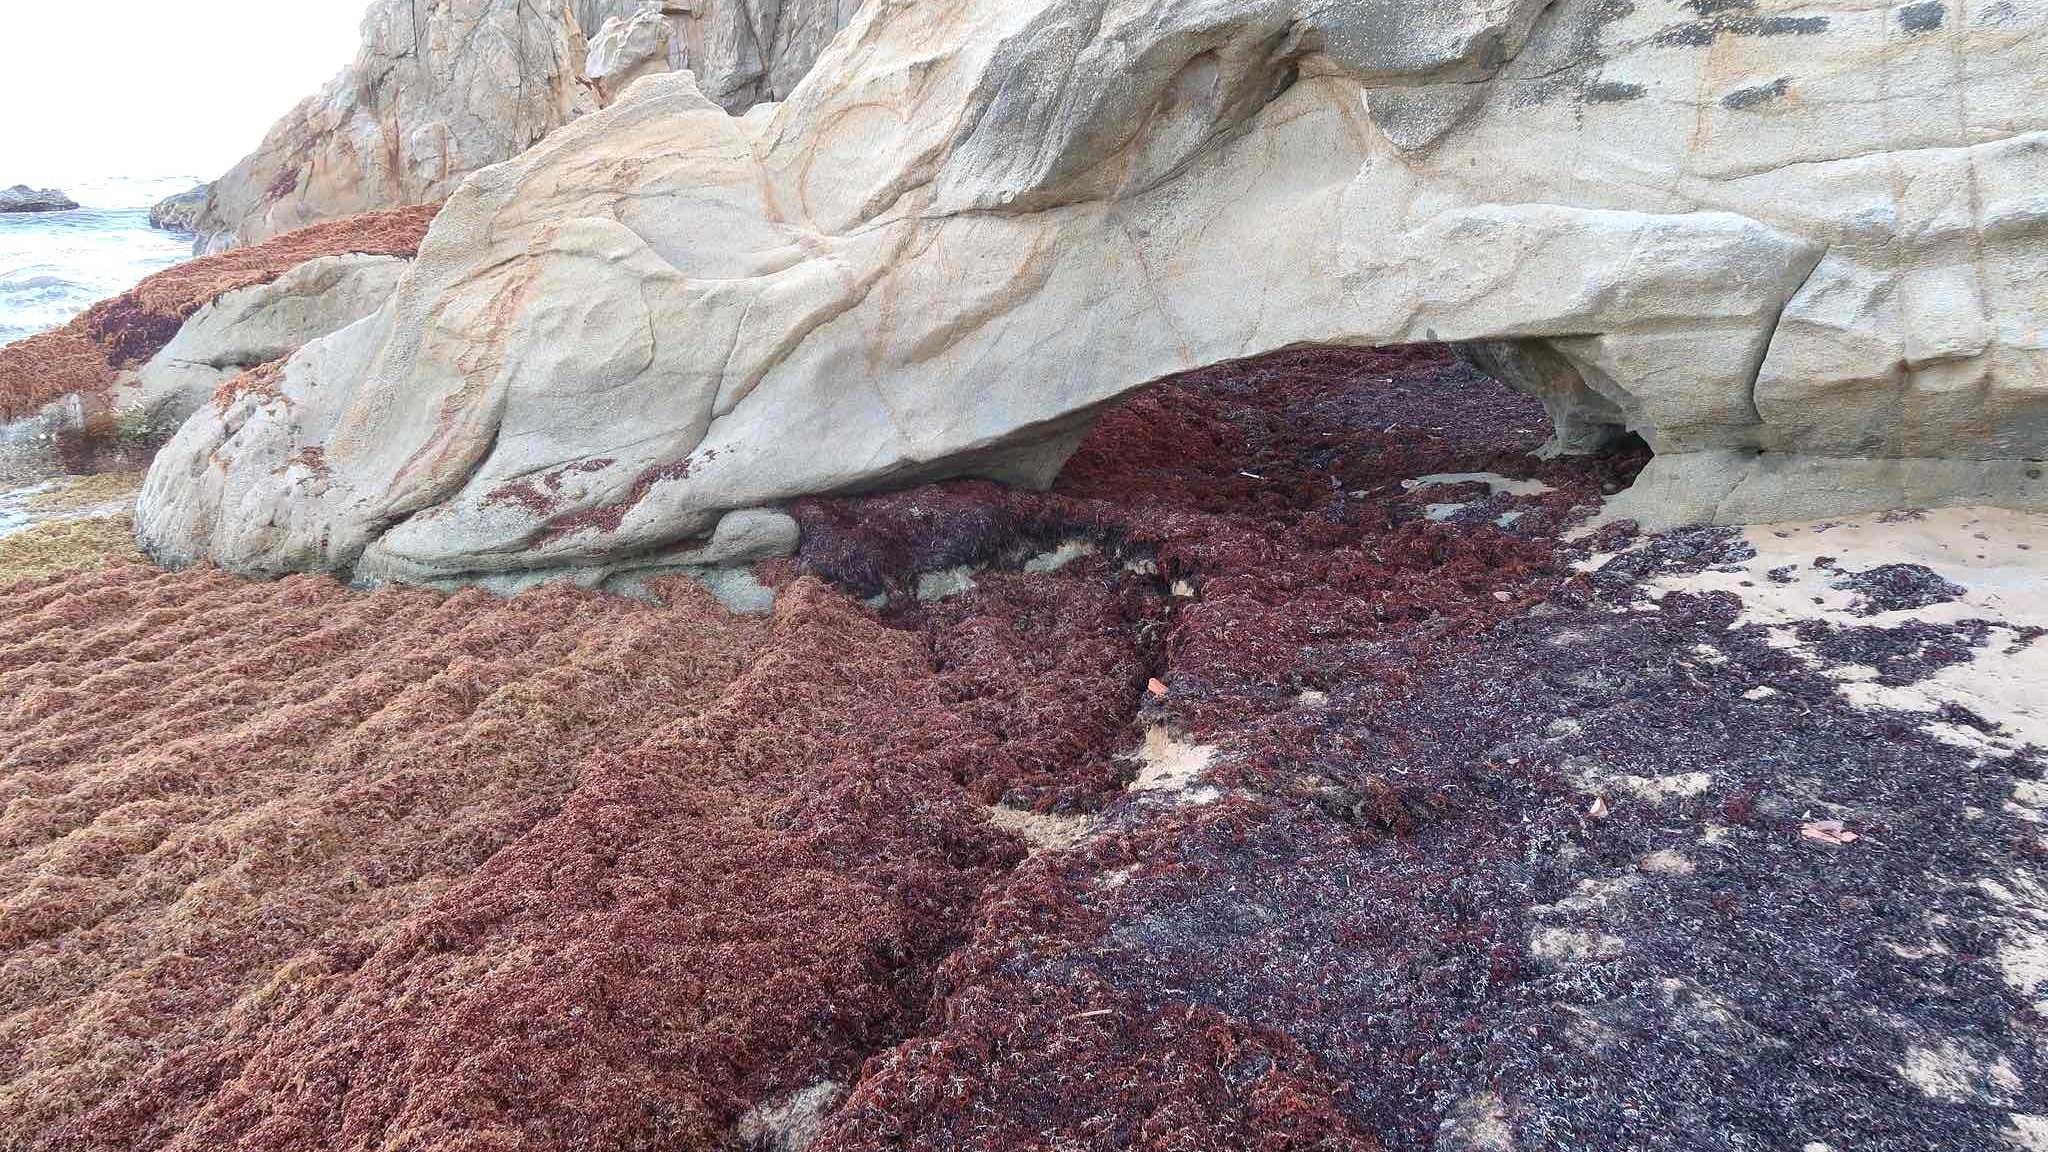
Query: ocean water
x=54, y=265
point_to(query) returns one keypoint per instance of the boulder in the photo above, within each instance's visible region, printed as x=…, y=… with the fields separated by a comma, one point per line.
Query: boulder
x=87, y=358
x=180, y=213
x=442, y=88
x=629, y=47
x=745, y=52
x=22, y=198
x=1796, y=248
x=252, y=326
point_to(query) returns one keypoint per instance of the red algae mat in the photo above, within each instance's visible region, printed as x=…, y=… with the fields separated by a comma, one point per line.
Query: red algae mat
x=83, y=356
x=1490, y=853
x=290, y=866
x=220, y=798
x=1440, y=843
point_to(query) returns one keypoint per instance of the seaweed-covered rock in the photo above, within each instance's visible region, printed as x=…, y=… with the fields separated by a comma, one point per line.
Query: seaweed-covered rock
x=981, y=220
x=89, y=357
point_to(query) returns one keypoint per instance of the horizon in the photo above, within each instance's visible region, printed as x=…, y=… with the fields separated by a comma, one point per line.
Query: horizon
x=172, y=93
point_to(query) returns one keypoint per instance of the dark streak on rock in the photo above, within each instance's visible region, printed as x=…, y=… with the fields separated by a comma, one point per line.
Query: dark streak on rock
x=1700, y=33
x=1563, y=54
x=1760, y=94
x=1788, y=26
x=1922, y=17
x=1613, y=93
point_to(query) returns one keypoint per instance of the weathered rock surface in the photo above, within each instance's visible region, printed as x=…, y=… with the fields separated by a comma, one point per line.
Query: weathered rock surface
x=1798, y=250
x=181, y=213
x=22, y=198
x=743, y=52
x=437, y=90
x=442, y=88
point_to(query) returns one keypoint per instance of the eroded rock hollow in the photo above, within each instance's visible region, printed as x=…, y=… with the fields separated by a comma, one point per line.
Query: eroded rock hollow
x=1796, y=248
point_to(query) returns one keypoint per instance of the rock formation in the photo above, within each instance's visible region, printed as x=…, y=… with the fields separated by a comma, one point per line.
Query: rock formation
x=180, y=213
x=744, y=52
x=22, y=198
x=441, y=89
x=1798, y=250
x=114, y=353
x=251, y=326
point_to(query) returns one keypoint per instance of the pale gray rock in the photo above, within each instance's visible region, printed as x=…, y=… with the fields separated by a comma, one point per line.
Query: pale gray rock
x=629, y=47
x=1582, y=420
x=980, y=221
x=1746, y=487
x=253, y=326
x=439, y=89
x=743, y=52
x=22, y=198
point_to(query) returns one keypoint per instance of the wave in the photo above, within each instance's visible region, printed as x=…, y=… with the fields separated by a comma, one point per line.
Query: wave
x=54, y=265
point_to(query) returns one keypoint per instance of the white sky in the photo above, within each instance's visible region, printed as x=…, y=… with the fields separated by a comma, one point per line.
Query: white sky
x=95, y=88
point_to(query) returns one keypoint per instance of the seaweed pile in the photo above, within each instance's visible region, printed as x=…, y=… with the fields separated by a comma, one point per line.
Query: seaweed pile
x=1277, y=781
x=1494, y=854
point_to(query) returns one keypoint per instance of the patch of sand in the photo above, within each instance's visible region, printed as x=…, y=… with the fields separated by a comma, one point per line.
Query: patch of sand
x=1666, y=862
x=1044, y=832
x=1597, y=779
x=1951, y=1073
x=1068, y=552
x=1494, y=481
x=2023, y=947
x=1168, y=766
x=2028, y=1132
x=1571, y=946
x=1478, y=1124
x=1999, y=558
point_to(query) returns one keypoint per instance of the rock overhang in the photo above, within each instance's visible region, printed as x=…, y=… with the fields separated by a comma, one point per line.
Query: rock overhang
x=978, y=223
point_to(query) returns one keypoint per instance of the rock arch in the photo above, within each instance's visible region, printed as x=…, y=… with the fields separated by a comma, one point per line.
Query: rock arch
x=980, y=220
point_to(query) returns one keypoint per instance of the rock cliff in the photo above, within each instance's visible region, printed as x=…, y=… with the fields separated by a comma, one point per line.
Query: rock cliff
x=444, y=87
x=1796, y=248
